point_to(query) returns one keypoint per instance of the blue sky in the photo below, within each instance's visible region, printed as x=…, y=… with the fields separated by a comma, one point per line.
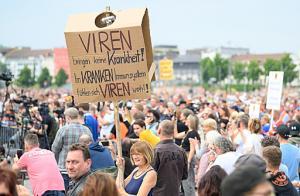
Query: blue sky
x=264, y=26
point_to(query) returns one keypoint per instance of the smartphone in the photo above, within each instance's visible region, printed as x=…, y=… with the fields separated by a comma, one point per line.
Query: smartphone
x=105, y=142
x=19, y=153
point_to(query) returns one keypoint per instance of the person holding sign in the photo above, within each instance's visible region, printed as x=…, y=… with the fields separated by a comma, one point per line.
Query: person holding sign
x=143, y=178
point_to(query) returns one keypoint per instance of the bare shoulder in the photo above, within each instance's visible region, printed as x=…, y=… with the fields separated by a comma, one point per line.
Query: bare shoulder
x=151, y=174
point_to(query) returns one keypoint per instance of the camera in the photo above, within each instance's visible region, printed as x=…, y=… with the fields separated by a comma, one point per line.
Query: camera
x=6, y=76
x=43, y=109
x=26, y=101
x=105, y=142
x=294, y=129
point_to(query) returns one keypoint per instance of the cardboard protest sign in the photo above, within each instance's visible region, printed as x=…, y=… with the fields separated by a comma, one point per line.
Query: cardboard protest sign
x=109, y=63
x=274, y=90
x=166, y=69
x=254, y=110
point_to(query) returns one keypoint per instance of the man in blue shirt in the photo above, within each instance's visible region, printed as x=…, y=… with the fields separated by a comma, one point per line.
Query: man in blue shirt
x=100, y=155
x=89, y=120
x=290, y=153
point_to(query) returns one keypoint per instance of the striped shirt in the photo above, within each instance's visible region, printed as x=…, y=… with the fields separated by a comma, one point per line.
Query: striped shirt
x=65, y=137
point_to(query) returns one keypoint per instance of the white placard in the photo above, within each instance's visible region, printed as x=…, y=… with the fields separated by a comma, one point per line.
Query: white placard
x=254, y=110
x=274, y=90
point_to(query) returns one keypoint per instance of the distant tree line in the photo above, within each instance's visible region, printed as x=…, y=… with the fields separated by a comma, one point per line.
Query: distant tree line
x=27, y=79
x=215, y=70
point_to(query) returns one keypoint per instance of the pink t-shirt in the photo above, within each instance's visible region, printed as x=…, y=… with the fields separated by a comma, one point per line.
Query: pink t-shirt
x=42, y=170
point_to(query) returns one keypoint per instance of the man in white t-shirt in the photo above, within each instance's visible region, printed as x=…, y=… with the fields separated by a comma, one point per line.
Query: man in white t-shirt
x=225, y=154
x=106, y=121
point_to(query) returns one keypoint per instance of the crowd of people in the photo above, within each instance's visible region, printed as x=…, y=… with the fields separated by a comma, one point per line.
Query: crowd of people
x=178, y=142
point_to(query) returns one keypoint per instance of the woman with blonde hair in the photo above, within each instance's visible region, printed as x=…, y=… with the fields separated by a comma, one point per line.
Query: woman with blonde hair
x=100, y=184
x=254, y=127
x=143, y=178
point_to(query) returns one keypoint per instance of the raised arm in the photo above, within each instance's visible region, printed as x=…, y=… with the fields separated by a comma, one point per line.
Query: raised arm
x=176, y=134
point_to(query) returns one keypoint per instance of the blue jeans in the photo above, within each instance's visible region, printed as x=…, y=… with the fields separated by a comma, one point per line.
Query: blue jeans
x=189, y=184
x=54, y=193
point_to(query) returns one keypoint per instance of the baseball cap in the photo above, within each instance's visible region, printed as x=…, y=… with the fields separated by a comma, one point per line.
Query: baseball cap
x=294, y=128
x=251, y=160
x=283, y=131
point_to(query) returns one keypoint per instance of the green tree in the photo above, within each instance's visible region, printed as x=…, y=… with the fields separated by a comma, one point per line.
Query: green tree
x=61, y=77
x=253, y=71
x=288, y=67
x=25, y=78
x=3, y=68
x=44, y=79
x=271, y=65
x=208, y=69
x=239, y=71
x=214, y=69
x=221, y=65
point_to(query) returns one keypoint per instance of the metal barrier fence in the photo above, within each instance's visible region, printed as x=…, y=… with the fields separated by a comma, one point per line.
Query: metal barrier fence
x=10, y=137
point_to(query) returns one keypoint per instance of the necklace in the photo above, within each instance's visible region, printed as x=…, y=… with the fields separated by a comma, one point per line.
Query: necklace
x=136, y=175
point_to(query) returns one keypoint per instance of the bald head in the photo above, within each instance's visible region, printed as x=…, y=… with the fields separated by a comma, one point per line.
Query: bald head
x=85, y=139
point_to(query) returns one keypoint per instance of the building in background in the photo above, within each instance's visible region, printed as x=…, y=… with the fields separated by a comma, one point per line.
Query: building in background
x=187, y=69
x=18, y=58
x=3, y=52
x=296, y=60
x=260, y=58
x=165, y=51
x=225, y=52
x=61, y=60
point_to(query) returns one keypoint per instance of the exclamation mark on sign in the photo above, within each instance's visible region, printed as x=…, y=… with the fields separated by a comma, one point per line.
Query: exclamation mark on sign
x=147, y=88
x=142, y=53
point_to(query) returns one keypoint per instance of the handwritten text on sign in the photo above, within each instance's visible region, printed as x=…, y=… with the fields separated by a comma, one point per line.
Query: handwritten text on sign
x=109, y=64
x=274, y=90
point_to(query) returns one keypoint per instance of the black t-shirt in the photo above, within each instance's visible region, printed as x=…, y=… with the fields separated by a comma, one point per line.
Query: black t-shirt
x=282, y=185
x=181, y=127
x=47, y=120
x=186, y=142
